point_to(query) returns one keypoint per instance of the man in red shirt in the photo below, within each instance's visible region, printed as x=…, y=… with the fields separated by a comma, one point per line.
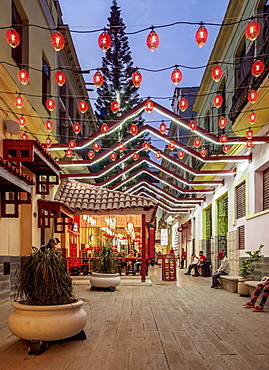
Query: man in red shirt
x=202, y=259
x=183, y=258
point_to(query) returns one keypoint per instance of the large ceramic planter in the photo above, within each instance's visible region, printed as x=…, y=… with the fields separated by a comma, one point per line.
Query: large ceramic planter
x=47, y=323
x=105, y=281
x=242, y=288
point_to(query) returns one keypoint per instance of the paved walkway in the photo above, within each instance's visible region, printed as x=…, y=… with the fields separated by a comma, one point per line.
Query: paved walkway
x=176, y=325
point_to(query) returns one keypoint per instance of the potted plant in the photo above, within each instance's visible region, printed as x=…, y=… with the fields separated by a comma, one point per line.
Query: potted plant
x=106, y=267
x=246, y=270
x=45, y=308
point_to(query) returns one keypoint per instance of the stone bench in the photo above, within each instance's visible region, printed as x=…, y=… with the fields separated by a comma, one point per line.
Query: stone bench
x=229, y=282
x=251, y=284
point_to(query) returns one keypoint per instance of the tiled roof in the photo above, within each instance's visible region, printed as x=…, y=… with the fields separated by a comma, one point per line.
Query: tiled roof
x=16, y=172
x=81, y=196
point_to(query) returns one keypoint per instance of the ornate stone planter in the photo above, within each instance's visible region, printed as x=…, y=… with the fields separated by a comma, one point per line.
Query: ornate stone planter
x=105, y=281
x=242, y=288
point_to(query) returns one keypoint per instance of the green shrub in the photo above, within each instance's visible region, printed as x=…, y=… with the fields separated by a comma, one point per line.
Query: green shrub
x=254, y=256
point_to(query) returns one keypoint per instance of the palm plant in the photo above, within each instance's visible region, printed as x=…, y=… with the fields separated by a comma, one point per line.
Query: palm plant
x=108, y=263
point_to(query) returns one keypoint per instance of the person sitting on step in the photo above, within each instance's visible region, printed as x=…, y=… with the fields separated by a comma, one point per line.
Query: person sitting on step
x=263, y=288
x=194, y=263
x=202, y=259
x=224, y=269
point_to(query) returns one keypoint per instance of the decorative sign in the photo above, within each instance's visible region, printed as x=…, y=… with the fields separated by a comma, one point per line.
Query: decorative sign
x=169, y=271
x=164, y=237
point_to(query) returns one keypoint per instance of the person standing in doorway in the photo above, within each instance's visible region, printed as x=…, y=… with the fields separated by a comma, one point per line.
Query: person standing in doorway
x=182, y=258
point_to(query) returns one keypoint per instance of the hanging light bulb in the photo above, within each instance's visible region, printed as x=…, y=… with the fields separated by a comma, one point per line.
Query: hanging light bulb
x=162, y=128
x=50, y=104
x=49, y=125
x=222, y=122
x=146, y=146
x=24, y=136
x=135, y=156
x=72, y=144
x=23, y=76
x=225, y=148
x=181, y=154
x=176, y=76
x=104, y=41
x=60, y=78
x=216, y=73
x=96, y=147
x=114, y=106
x=192, y=125
x=90, y=154
x=113, y=156
x=257, y=68
x=133, y=129
x=69, y=152
x=83, y=106
x=149, y=105
x=249, y=144
x=137, y=78
x=47, y=149
x=19, y=102
x=252, y=118
x=197, y=143
x=98, y=79
x=76, y=127
x=218, y=100
x=183, y=104
x=153, y=41
x=203, y=152
x=253, y=96
x=223, y=139
x=249, y=134
x=171, y=145
x=13, y=38
x=253, y=30
x=104, y=128
x=121, y=147
x=57, y=41
x=48, y=142
x=201, y=36
x=22, y=121
x=158, y=155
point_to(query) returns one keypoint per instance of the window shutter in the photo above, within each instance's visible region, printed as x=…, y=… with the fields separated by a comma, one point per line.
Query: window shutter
x=241, y=237
x=266, y=189
x=241, y=200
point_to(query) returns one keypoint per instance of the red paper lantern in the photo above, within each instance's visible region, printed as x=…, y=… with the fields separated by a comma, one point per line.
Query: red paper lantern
x=203, y=152
x=216, y=73
x=113, y=156
x=24, y=136
x=133, y=129
x=176, y=76
x=153, y=41
x=183, y=104
x=104, y=41
x=149, y=105
x=192, y=125
x=252, y=118
x=96, y=147
x=98, y=79
x=135, y=156
x=171, y=145
x=72, y=144
x=69, y=152
x=223, y=139
x=114, y=106
x=222, y=122
x=249, y=144
x=181, y=154
x=104, y=128
x=158, y=155
x=91, y=248
x=60, y=78
x=225, y=148
x=83, y=106
x=22, y=121
x=218, y=100
x=137, y=78
x=146, y=146
x=76, y=127
x=57, y=41
x=162, y=128
x=47, y=150
x=23, y=76
x=201, y=36
x=48, y=142
x=19, y=102
x=90, y=154
x=257, y=68
x=252, y=96
x=121, y=147
x=13, y=38
x=50, y=104
x=197, y=143
x=49, y=125
x=249, y=134
x=253, y=30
